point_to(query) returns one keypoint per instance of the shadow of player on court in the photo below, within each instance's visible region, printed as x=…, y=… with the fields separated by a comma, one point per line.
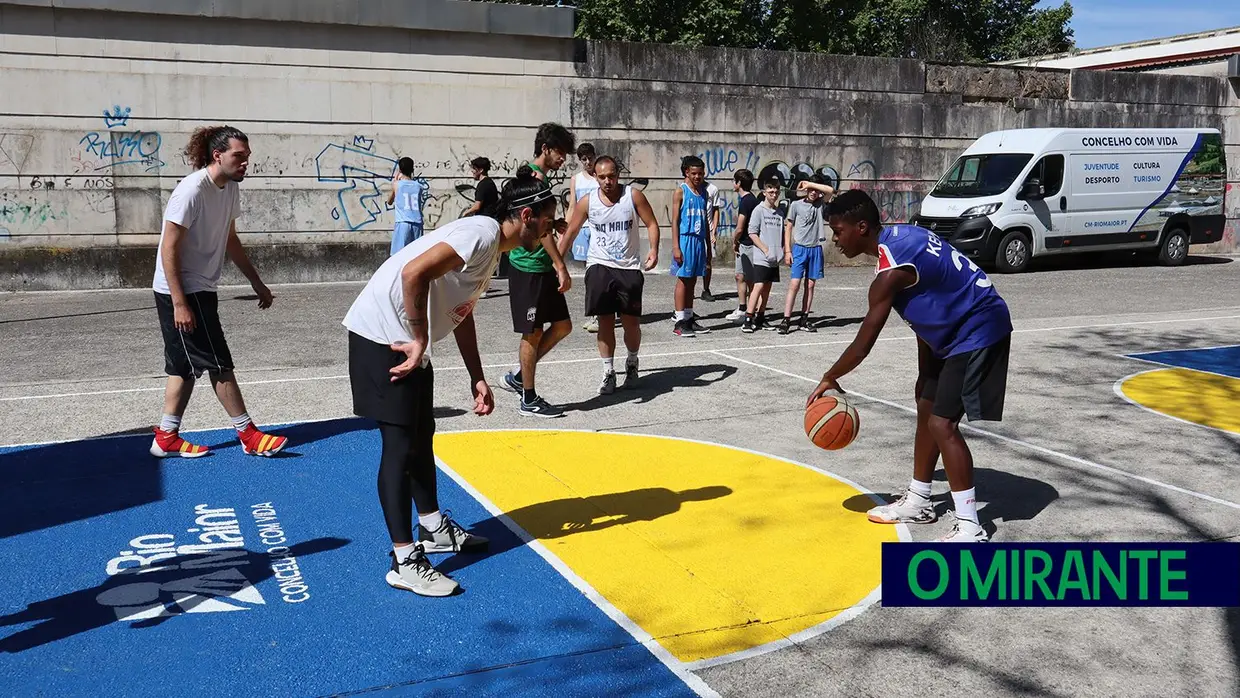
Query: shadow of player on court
x=560, y=518
x=1004, y=495
x=220, y=580
x=654, y=382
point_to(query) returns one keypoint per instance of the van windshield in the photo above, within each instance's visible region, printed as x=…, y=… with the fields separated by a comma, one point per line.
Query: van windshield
x=981, y=175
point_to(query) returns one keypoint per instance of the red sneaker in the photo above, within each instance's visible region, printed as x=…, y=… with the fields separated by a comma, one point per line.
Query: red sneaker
x=169, y=443
x=256, y=443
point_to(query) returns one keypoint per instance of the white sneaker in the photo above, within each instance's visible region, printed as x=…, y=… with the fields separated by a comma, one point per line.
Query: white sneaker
x=909, y=508
x=416, y=574
x=451, y=537
x=737, y=315
x=590, y=325
x=609, y=383
x=965, y=531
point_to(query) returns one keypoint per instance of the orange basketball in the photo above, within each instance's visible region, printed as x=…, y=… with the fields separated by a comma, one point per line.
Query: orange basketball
x=831, y=423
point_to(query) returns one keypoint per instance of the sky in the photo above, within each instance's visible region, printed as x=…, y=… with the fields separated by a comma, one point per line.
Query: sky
x=1105, y=22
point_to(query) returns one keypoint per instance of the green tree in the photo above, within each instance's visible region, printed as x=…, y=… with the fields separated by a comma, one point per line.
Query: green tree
x=934, y=30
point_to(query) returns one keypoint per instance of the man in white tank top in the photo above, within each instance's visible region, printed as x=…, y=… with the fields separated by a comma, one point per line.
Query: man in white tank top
x=614, y=273
x=583, y=185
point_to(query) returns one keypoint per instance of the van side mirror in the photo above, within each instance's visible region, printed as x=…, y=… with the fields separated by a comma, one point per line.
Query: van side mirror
x=1031, y=190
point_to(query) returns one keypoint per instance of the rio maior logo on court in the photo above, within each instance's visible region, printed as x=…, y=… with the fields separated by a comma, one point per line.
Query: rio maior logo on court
x=158, y=577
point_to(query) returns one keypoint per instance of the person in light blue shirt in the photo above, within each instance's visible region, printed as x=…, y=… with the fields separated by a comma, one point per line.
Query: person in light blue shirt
x=406, y=195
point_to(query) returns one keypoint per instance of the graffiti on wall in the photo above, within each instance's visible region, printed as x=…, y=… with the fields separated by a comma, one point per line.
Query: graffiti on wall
x=111, y=147
x=14, y=150
x=27, y=213
x=355, y=165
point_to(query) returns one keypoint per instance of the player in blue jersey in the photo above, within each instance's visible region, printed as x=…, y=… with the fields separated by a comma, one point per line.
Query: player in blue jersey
x=406, y=196
x=690, y=230
x=963, y=333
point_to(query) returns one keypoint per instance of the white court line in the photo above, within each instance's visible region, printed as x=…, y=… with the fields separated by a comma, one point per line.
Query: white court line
x=1017, y=442
x=691, y=352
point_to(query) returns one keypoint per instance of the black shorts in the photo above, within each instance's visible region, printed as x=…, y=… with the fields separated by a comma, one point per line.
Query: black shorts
x=973, y=383
x=535, y=299
x=202, y=351
x=409, y=401
x=611, y=291
x=762, y=274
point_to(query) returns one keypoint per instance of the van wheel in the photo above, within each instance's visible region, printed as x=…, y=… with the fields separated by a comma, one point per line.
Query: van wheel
x=1013, y=254
x=1174, y=248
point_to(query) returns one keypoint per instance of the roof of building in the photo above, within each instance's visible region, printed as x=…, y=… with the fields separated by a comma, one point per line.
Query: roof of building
x=1211, y=45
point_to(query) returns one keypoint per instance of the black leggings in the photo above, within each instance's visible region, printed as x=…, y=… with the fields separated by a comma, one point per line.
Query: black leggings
x=407, y=467
x=406, y=475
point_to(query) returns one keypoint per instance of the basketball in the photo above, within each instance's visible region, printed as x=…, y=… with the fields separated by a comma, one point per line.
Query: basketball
x=831, y=423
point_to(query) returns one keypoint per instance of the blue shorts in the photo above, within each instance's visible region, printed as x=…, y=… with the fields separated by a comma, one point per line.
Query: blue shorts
x=403, y=234
x=693, y=252
x=806, y=262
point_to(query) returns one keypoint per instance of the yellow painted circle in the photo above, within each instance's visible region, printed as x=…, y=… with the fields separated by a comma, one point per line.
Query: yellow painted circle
x=1202, y=398
x=711, y=550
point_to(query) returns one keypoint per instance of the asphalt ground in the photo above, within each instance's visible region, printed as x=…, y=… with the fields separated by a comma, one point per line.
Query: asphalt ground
x=1072, y=459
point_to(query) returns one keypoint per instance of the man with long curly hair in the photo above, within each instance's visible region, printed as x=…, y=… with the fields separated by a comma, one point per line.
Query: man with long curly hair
x=199, y=228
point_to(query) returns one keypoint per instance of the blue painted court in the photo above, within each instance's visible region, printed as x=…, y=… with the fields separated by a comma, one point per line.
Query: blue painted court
x=1221, y=360
x=235, y=575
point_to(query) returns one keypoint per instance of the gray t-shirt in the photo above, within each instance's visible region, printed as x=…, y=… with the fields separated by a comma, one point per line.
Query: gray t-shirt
x=806, y=223
x=767, y=224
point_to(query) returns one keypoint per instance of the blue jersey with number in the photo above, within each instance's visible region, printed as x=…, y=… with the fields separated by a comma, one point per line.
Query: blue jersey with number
x=692, y=212
x=952, y=306
x=408, y=201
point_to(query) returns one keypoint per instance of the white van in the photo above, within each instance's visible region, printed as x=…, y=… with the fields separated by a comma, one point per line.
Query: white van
x=1018, y=194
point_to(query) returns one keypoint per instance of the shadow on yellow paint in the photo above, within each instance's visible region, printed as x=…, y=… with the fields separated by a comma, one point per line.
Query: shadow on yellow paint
x=1202, y=398
x=563, y=517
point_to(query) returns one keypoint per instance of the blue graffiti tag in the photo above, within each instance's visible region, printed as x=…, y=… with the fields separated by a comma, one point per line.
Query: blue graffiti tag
x=359, y=203
x=116, y=117
x=138, y=147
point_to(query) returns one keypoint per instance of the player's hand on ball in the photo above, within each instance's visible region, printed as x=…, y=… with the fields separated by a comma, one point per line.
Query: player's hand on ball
x=823, y=386
x=484, y=399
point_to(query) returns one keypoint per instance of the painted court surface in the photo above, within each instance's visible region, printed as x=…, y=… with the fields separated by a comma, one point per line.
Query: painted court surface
x=680, y=538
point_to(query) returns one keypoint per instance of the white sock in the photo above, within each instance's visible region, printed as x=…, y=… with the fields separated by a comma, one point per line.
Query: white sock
x=921, y=488
x=430, y=521
x=170, y=422
x=404, y=551
x=966, y=504
x=609, y=365
x=242, y=421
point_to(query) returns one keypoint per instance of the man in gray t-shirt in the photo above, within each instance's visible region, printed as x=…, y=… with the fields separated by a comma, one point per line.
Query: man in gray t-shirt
x=804, y=235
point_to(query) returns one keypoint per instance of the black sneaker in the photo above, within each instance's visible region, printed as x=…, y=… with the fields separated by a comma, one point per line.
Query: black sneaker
x=808, y=326
x=698, y=328
x=451, y=537
x=785, y=327
x=683, y=328
x=708, y=296
x=539, y=408
x=748, y=327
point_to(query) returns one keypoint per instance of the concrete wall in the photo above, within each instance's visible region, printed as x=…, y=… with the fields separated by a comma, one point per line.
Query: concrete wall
x=97, y=106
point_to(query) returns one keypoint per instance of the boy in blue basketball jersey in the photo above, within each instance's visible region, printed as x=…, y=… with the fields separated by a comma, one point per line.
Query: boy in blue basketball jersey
x=689, y=241
x=406, y=195
x=963, y=332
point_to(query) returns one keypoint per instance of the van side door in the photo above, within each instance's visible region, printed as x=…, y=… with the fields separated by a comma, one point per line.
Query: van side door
x=1048, y=202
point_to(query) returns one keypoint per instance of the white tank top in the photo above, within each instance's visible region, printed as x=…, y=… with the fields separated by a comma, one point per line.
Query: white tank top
x=586, y=185
x=614, y=237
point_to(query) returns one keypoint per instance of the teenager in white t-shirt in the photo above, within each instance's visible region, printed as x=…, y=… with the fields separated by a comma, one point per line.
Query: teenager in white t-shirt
x=614, y=278
x=420, y=295
x=584, y=184
x=199, y=227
